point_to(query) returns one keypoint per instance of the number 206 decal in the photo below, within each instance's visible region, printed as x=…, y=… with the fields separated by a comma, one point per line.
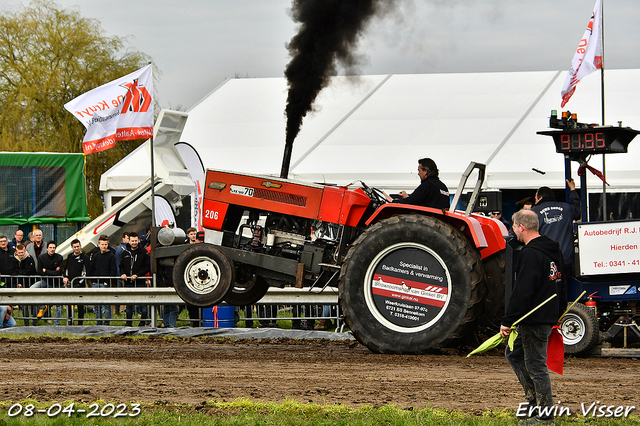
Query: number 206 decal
x=213, y=214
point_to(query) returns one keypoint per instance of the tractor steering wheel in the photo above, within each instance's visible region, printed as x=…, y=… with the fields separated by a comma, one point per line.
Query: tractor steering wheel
x=376, y=195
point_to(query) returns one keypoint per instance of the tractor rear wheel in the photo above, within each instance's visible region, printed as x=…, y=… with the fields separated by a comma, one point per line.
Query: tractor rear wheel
x=247, y=292
x=494, y=271
x=203, y=274
x=410, y=282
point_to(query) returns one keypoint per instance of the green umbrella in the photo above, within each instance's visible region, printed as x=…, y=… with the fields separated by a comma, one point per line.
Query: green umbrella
x=497, y=339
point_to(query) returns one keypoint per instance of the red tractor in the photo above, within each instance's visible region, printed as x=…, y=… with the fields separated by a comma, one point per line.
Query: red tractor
x=409, y=278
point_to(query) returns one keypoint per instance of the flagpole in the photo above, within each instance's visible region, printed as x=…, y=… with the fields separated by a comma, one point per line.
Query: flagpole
x=153, y=224
x=153, y=221
x=604, y=169
x=153, y=190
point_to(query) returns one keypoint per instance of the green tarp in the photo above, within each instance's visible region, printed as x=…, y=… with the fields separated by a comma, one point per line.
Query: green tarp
x=42, y=187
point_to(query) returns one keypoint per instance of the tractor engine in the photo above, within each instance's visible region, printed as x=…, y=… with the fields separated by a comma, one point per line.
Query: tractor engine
x=310, y=242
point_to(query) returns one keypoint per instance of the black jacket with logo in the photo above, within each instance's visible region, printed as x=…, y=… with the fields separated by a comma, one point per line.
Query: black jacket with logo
x=556, y=222
x=77, y=264
x=539, y=275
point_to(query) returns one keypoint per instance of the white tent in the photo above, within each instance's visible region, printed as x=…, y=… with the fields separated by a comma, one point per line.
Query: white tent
x=375, y=128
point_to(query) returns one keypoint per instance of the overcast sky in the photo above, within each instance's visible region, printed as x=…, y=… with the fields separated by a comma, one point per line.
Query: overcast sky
x=197, y=44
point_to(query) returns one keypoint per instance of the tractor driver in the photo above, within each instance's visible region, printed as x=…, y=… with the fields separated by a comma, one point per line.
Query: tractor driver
x=430, y=193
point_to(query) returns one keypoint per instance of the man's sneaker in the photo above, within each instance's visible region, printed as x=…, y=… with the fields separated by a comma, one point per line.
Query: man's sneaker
x=537, y=421
x=41, y=312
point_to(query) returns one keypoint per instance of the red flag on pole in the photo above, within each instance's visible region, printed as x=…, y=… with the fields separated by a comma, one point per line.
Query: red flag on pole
x=588, y=56
x=555, y=350
x=117, y=111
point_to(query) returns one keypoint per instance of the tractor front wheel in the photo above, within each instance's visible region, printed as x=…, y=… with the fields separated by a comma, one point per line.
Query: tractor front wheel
x=203, y=274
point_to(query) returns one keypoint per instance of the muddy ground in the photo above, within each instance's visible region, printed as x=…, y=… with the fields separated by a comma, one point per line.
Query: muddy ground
x=195, y=370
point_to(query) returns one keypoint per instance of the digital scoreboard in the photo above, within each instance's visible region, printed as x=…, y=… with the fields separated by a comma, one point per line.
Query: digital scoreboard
x=593, y=140
x=580, y=138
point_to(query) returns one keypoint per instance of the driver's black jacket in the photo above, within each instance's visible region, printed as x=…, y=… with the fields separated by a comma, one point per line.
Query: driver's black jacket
x=430, y=193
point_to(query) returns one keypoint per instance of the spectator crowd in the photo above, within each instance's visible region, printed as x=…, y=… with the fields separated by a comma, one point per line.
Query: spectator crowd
x=33, y=263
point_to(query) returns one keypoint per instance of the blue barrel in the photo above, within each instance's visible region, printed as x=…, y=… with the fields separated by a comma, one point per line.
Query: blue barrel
x=224, y=316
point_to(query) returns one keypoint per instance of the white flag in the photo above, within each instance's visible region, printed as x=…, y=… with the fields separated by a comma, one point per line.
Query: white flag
x=588, y=56
x=117, y=111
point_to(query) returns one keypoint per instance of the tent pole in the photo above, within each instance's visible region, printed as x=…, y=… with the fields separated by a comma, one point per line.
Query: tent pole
x=153, y=190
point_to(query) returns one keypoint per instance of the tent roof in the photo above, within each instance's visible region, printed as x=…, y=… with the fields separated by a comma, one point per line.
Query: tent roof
x=375, y=128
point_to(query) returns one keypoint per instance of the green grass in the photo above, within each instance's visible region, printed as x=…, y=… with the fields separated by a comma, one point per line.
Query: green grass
x=244, y=412
x=183, y=319
x=90, y=318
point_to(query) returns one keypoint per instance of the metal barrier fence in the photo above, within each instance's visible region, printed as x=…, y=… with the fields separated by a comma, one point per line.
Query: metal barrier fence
x=102, y=291
x=297, y=305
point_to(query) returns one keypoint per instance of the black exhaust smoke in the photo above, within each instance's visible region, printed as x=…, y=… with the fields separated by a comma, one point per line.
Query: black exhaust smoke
x=328, y=35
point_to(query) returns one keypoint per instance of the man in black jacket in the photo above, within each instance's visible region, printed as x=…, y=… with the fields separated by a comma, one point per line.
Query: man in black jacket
x=77, y=266
x=431, y=192
x=50, y=265
x=103, y=265
x=134, y=265
x=24, y=266
x=6, y=256
x=538, y=276
x=556, y=220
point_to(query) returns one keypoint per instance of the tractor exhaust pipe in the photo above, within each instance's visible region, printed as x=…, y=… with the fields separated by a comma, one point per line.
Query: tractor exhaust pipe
x=286, y=160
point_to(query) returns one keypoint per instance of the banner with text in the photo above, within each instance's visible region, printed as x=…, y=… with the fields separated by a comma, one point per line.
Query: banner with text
x=609, y=248
x=117, y=111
